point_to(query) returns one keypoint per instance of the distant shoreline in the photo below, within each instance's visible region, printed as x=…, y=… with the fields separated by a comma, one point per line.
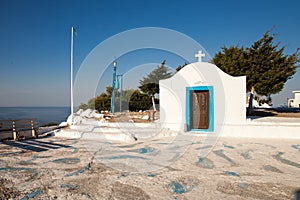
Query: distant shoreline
x=43, y=114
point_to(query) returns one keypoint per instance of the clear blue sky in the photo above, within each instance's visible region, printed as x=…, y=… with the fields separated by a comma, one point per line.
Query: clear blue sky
x=35, y=37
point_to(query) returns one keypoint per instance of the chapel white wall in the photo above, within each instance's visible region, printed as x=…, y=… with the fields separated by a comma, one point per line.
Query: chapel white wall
x=229, y=95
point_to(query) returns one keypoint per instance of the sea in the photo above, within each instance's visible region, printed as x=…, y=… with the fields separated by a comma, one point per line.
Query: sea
x=44, y=115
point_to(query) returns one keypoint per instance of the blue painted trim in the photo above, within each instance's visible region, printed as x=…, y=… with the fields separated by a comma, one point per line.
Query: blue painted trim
x=211, y=108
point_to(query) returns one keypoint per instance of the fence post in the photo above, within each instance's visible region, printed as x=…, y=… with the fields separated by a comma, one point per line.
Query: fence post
x=14, y=130
x=32, y=129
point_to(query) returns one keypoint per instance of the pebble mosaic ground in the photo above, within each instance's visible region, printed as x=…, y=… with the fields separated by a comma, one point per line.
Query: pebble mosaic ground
x=60, y=168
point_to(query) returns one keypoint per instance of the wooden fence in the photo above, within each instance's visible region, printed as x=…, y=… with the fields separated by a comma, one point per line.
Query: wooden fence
x=18, y=129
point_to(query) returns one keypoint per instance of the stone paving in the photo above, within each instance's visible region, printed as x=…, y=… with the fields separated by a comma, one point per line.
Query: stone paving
x=60, y=168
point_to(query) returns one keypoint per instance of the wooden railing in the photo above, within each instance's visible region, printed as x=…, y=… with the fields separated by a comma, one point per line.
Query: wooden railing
x=17, y=129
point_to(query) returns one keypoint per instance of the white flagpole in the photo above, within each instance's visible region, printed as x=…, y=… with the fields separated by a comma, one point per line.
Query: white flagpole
x=72, y=105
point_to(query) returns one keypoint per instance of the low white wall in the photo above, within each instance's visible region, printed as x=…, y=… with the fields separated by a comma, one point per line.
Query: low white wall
x=107, y=134
x=251, y=129
x=279, y=131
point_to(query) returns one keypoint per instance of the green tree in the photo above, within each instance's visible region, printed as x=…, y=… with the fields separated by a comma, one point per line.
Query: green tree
x=91, y=103
x=139, y=101
x=102, y=102
x=150, y=83
x=273, y=68
x=264, y=64
x=109, y=90
x=233, y=61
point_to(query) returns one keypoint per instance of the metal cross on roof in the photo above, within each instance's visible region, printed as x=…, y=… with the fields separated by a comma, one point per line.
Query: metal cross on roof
x=200, y=55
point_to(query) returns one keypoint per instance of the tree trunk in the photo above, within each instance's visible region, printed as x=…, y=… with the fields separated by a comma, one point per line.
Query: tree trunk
x=154, y=109
x=153, y=103
x=269, y=100
x=250, y=107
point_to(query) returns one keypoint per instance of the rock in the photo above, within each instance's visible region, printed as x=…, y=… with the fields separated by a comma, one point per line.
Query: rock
x=87, y=113
x=145, y=117
x=79, y=112
x=69, y=120
x=97, y=115
x=77, y=120
x=63, y=124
